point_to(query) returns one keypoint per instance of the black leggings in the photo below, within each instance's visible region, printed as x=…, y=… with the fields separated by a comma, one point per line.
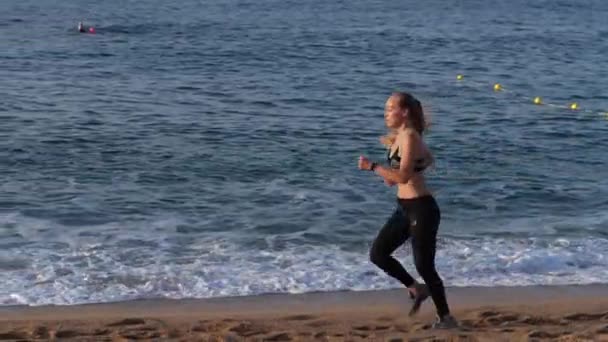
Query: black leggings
x=417, y=218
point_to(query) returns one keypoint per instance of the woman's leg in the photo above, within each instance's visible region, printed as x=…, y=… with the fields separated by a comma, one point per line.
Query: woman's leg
x=424, y=240
x=392, y=235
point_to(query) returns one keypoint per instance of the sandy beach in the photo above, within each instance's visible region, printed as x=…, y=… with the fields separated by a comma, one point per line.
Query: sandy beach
x=555, y=313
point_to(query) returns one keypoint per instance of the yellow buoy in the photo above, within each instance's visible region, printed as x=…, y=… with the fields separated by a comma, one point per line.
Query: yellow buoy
x=574, y=106
x=497, y=87
x=538, y=100
x=459, y=77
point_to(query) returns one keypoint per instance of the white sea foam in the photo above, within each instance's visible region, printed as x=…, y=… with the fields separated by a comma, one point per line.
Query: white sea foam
x=140, y=268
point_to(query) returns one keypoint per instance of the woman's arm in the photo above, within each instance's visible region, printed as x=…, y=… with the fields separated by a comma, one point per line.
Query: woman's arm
x=407, y=146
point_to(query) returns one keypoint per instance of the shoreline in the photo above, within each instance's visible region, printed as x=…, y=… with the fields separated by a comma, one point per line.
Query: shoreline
x=578, y=312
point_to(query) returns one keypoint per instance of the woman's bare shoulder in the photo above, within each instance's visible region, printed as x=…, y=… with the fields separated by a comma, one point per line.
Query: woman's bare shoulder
x=407, y=135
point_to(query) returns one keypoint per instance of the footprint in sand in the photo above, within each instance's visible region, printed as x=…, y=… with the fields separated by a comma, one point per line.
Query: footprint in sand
x=67, y=334
x=127, y=321
x=359, y=334
x=318, y=324
x=535, y=320
x=363, y=328
x=496, y=317
x=279, y=337
x=248, y=329
x=320, y=335
x=486, y=314
x=299, y=318
x=42, y=333
x=13, y=335
x=500, y=320
x=543, y=334
x=584, y=317
x=133, y=328
x=208, y=327
x=371, y=327
x=140, y=336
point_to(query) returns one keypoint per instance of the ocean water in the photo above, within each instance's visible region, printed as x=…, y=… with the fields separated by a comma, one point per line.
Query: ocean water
x=199, y=149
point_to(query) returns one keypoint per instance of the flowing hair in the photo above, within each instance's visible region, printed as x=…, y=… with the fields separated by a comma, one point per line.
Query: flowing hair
x=415, y=115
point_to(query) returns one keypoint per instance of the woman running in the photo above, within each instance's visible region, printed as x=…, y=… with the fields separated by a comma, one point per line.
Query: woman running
x=417, y=215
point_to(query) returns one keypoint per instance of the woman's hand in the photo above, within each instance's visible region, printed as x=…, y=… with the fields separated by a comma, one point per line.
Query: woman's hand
x=364, y=163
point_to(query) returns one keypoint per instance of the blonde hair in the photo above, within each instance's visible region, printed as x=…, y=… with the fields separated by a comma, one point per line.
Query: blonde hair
x=416, y=116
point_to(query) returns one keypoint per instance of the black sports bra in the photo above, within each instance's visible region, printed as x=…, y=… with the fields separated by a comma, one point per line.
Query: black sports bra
x=394, y=161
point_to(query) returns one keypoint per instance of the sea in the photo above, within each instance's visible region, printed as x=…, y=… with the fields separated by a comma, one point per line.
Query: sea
x=198, y=149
